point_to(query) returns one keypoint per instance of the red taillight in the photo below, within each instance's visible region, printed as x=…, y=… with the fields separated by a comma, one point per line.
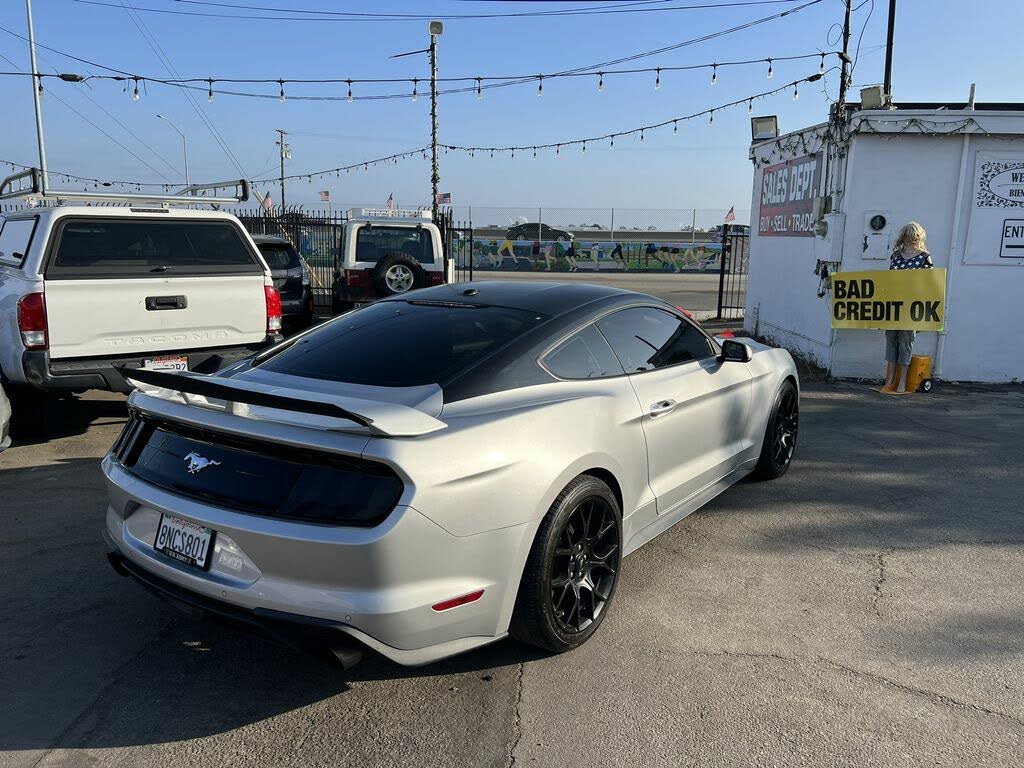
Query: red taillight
x=355, y=277
x=273, y=309
x=32, y=321
x=436, y=278
x=455, y=602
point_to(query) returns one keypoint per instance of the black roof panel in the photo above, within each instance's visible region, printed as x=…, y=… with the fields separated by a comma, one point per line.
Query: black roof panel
x=546, y=297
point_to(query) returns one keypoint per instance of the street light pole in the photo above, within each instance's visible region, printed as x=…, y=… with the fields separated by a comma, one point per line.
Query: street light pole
x=184, y=146
x=285, y=154
x=37, y=87
x=435, y=28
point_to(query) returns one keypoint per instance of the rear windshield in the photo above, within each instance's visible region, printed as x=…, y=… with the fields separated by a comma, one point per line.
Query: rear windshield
x=400, y=344
x=375, y=242
x=15, y=236
x=148, y=247
x=279, y=255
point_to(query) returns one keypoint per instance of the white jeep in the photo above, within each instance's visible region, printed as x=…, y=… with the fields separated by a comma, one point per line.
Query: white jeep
x=143, y=283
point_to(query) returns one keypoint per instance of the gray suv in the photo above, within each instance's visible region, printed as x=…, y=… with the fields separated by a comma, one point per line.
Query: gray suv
x=291, y=278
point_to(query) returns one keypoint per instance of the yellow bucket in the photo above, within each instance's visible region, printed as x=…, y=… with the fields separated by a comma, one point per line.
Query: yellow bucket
x=920, y=368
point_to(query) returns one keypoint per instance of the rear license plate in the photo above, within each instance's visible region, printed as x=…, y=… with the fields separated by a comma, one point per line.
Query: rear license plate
x=166, y=363
x=185, y=541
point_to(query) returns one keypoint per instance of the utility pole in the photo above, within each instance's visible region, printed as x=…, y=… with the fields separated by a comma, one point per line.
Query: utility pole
x=286, y=154
x=888, y=50
x=37, y=87
x=184, y=145
x=844, y=75
x=435, y=28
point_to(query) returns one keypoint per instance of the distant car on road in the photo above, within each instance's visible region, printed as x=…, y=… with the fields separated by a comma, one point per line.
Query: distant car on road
x=291, y=278
x=539, y=232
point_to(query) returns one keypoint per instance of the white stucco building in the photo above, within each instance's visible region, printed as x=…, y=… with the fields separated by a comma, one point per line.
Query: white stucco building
x=957, y=170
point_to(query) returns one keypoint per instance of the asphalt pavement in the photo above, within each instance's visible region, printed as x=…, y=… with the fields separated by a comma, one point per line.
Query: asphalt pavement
x=865, y=610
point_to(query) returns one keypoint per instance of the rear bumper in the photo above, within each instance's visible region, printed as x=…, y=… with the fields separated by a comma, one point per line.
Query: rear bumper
x=100, y=373
x=375, y=586
x=298, y=307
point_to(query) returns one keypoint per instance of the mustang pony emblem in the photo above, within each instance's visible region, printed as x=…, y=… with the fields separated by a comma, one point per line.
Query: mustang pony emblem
x=197, y=463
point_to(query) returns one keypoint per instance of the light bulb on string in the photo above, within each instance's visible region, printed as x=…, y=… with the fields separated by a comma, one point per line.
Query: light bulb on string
x=349, y=89
x=558, y=149
x=479, y=90
x=281, y=98
x=534, y=151
x=415, y=95
x=611, y=142
x=711, y=119
x=600, y=82
x=771, y=72
x=714, y=74
x=657, y=79
x=540, y=85
x=821, y=69
x=492, y=154
x=641, y=134
x=135, y=93
x=209, y=94
x=675, y=127
x=584, y=147
x=750, y=106
x=796, y=92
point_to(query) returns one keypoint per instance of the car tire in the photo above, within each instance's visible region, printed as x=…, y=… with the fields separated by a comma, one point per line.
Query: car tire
x=573, y=568
x=395, y=270
x=780, y=436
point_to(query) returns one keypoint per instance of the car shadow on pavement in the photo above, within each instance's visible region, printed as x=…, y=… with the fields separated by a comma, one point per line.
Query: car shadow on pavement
x=72, y=415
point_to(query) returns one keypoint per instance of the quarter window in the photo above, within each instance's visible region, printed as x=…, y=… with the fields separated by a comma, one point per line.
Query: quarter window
x=584, y=355
x=646, y=338
x=15, y=236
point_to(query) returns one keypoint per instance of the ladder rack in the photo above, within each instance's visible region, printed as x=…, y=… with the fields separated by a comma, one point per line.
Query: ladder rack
x=28, y=184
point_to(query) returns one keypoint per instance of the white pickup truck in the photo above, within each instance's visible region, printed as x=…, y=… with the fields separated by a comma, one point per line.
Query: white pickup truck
x=150, y=283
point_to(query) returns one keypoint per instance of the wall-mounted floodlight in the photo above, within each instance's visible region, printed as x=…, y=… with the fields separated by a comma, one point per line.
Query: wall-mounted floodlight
x=435, y=28
x=764, y=128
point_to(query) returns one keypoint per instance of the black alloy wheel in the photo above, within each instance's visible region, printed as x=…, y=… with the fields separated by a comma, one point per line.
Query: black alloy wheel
x=572, y=570
x=780, y=437
x=586, y=564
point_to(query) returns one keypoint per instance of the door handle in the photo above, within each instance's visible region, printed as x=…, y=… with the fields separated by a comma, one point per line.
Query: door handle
x=154, y=303
x=662, y=407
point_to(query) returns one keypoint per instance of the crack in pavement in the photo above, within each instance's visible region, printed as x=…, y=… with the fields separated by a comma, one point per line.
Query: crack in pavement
x=872, y=676
x=879, y=583
x=517, y=728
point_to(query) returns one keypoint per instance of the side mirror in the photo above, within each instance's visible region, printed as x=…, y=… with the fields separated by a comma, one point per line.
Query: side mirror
x=735, y=351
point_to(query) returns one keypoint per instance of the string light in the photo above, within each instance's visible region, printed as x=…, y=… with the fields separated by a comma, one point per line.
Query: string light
x=675, y=127
x=600, y=82
x=540, y=85
x=209, y=94
x=349, y=89
x=821, y=69
x=558, y=148
x=657, y=79
x=714, y=74
x=750, y=106
x=796, y=92
x=711, y=120
x=479, y=90
x=641, y=134
x=281, y=97
x=534, y=151
x=584, y=147
x=135, y=93
x=415, y=95
x=771, y=72
x=611, y=142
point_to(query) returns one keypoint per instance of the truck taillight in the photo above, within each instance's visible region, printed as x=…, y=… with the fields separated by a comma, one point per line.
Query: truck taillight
x=273, y=309
x=436, y=278
x=355, y=277
x=32, y=321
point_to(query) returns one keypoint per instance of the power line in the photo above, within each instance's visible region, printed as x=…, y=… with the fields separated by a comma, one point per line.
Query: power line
x=351, y=16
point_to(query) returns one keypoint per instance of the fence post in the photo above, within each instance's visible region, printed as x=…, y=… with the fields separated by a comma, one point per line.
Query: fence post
x=721, y=268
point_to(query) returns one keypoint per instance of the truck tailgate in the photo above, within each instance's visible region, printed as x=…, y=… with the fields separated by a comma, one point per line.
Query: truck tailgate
x=112, y=316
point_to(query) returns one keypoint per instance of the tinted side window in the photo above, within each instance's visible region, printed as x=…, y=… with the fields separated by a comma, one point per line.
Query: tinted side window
x=646, y=338
x=585, y=355
x=168, y=248
x=375, y=242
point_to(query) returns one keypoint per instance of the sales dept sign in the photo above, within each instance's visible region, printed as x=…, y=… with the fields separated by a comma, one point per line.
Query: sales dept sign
x=787, y=197
x=891, y=300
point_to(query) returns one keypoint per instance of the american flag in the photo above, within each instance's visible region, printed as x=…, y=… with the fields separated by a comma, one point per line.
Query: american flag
x=391, y=202
x=730, y=217
x=443, y=198
x=325, y=196
x=268, y=202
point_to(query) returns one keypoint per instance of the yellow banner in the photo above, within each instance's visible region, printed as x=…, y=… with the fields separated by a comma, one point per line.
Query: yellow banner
x=892, y=300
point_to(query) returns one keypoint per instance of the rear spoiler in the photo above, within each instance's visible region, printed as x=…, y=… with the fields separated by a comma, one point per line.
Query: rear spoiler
x=379, y=418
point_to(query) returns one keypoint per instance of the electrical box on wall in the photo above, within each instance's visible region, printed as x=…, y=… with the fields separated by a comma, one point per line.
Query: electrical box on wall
x=877, y=243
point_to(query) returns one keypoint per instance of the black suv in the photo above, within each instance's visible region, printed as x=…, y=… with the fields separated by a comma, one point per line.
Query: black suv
x=291, y=278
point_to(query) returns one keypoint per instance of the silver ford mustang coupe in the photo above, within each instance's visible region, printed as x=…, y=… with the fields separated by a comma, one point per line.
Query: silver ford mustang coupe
x=441, y=469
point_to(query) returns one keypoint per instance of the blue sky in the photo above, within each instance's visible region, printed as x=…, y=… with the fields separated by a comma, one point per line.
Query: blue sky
x=942, y=47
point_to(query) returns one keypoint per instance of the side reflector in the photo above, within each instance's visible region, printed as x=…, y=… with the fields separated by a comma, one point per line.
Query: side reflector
x=455, y=602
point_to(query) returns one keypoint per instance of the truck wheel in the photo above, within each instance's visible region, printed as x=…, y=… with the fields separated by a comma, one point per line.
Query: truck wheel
x=398, y=273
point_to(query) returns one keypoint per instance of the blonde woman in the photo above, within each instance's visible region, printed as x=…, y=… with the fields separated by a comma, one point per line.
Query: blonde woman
x=911, y=252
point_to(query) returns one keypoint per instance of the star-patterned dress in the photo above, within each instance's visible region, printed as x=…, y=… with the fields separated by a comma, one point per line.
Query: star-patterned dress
x=923, y=260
